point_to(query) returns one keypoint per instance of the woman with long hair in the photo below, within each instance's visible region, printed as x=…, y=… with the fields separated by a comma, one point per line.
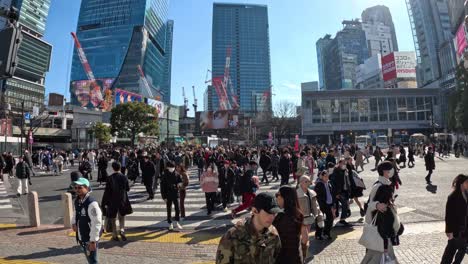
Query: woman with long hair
x=209, y=184
x=182, y=188
x=456, y=227
x=289, y=224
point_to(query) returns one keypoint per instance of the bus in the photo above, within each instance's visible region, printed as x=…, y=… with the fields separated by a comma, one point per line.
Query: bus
x=382, y=142
x=418, y=138
x=363, y=141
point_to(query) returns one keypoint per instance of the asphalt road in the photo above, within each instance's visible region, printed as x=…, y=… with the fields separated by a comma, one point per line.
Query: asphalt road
x=423, y=203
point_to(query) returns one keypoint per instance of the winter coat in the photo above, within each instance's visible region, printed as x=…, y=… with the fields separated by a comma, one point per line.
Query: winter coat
x=456, y=215
x=429, y=160
x=115, y=198
x=275, y=159
x=290, y=235
x=284, y=168
x=321, y=192
x=265, y=162
x=185, y=181
x=170, y=185
x=226, y=178
x=132, y=169
x=147, y=172
x=22, y=170
x=309, y=206
x=209, y=182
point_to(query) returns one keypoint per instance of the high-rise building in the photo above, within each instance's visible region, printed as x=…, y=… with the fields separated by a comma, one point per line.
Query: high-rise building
x=369, y=74
x=244, y=29
x=379, y=38
x=380, y=14
x=166, y=87
x=321, y=45
x=27, y=84
x=432, y=33
x=343, y=54
x=119, y=37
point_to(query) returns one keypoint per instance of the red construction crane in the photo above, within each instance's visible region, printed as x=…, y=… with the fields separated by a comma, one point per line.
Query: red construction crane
x=227, y=81
x=95, y=93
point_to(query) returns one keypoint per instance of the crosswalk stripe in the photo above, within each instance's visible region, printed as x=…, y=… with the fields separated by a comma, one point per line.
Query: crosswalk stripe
x=6, y=206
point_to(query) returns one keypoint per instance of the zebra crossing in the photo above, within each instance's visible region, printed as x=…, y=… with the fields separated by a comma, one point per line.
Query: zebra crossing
x=153, y=214
x=5, y=202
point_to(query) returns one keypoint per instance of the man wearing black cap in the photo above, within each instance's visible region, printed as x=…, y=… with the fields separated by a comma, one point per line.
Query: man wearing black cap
x=256, y=240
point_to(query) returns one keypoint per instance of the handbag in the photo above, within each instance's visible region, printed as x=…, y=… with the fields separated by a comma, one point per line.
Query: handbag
x=371, y=238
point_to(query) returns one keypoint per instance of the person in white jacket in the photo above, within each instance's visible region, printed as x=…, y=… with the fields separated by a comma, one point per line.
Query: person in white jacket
x=87, y=220
x=386, y=170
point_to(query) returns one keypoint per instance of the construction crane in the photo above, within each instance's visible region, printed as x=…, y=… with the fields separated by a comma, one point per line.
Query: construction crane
x=95, y=93
x=186, y=109
x=147, y=86
x=227, y=81
x=195, y=101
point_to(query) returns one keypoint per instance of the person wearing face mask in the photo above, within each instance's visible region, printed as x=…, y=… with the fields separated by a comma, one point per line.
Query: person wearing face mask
x=170, y=193
x=341, y=184
x=382, y=213
x=430, y=164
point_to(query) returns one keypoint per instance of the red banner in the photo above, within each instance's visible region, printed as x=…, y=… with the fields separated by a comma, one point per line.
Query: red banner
x=389, y=67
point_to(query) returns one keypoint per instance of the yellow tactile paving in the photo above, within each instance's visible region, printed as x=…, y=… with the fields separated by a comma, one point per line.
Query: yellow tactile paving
x=203, y=238
x=4, y=226
x=16, y=261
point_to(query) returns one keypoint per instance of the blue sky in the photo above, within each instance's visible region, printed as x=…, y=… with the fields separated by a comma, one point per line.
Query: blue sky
x=295, y=26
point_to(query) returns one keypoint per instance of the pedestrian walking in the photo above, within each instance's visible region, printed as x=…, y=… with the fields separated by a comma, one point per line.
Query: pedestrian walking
x=265, y=161
x=226, y=183
x=23, y=174
x=159, y=169
x=402, y=158
x=411, y=156
x=430, y=164
x=289, y=224
x=312, y=215
x=284, y=168
x=170, y=193
x=381, y=212
x=341, y=184
x=87, y=220
x=115, y=201
x=103, y=163
x=209, y=184
x=248, y=189
x=456, y=225
x=359, y=159
x=256, y=240
x=147, y=173
x=326, y=201
x=275, y=159
x=377, y=156
x=182, y=188
x=133, y=168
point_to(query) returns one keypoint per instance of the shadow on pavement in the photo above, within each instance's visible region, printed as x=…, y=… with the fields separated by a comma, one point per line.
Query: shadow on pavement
x=52, y=252
x=41, y=231
x=431, y=188
x=318, y=246
x=50, y=198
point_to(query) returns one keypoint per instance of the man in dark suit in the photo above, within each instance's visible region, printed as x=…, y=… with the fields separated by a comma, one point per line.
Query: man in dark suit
x=325, y=199
x=115, y=202
x=226, y=183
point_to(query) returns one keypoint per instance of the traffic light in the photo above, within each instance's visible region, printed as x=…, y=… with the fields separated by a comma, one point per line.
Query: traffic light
x=11, y=39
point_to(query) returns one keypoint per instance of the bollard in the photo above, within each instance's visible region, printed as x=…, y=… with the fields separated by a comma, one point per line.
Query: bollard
x=33, y=206
x=6, y=181
x=67, y=210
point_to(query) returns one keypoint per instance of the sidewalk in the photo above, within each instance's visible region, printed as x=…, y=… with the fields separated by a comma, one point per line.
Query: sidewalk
x=422, y=243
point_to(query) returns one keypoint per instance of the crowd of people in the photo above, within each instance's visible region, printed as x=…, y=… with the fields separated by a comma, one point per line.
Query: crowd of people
x=317, y=186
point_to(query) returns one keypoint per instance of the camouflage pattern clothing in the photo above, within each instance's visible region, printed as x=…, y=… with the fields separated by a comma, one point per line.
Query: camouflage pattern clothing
x=242, y=244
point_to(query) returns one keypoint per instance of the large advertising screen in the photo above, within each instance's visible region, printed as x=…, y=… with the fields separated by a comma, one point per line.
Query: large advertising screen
x=158, y=105
x=122, y=97
x=96, y=94
x=218, y=120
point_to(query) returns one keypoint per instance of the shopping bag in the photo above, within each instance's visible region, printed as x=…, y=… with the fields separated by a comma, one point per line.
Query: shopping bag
x=371, y=238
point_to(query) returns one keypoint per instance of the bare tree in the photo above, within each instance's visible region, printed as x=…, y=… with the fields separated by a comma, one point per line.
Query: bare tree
x=285, y=109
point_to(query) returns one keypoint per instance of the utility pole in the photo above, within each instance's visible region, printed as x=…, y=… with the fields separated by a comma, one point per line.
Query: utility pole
x=167, y=119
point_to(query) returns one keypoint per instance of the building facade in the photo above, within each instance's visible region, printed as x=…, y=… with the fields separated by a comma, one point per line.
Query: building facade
x=399, y=70
x=331, y=113
x=310, y=87
x=369, y=74
x=321, y=46
x=28, y=83
x=379, y=38
x=343, y=54
x=120, y=37
x=431, y=27
x=380, y=14
x=245, y=30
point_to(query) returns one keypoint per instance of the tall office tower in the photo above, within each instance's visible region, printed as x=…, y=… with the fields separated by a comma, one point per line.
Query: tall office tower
x=321, y=45
x=166, y=87
x=27, y=84
x=243, y=29
x=343, y=54
x=123, y=40
x=433, y=42
x=380, y=14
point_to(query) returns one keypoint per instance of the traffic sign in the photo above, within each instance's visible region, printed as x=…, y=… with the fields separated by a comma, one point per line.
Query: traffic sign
x=27, y=116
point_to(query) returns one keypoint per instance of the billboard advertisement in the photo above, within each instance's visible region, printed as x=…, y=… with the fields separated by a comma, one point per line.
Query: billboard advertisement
x=461, y=40
x=158, y=105
x=96, y=94
x=122, y=97
x=399, y=65
x=218, y=120
x=389, y=67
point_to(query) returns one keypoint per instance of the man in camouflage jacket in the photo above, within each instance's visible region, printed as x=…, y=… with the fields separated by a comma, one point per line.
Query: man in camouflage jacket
x=255, y=241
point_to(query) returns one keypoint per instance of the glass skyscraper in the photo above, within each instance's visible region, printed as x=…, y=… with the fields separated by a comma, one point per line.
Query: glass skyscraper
x=27, y=84
x=119, y=37
x=244, y=29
